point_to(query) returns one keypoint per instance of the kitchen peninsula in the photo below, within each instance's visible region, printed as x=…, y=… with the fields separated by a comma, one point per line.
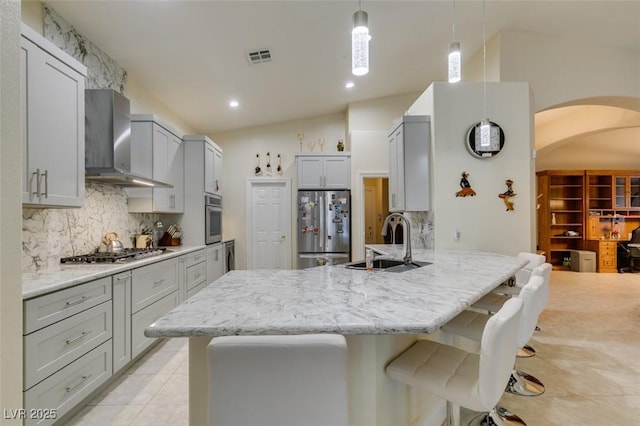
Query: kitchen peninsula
x=379, y=312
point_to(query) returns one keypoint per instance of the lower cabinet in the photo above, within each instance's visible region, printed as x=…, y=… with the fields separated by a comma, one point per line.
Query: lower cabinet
x=75, y=339
x=121, y=320
x=215, y=262
x=67, y=349
x=57, y=394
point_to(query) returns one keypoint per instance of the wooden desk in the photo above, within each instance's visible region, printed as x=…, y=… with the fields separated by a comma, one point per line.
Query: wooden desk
x=606, y=254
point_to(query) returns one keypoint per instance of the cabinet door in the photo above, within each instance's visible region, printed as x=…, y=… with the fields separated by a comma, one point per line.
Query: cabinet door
x=215, y=262
x=161, y=144
x=396, y=170
x=337, y=172
x=175, y=157
x=217, y=171
x=310, y=172
x=121, y=320
x=209, y=169
x=53, y=129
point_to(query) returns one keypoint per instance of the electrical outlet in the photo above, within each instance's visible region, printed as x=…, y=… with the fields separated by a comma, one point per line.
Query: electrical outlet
x=456, y=234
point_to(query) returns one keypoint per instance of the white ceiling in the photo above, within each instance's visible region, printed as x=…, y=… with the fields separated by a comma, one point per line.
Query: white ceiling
x=191, y=55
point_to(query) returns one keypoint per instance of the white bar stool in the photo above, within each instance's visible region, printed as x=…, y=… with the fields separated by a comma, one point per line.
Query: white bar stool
x=493, y=301
x=474, y=381
x=278, y=380
x=470, y=324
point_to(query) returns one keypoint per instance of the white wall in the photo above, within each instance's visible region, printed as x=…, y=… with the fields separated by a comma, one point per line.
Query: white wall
x=616, y=149
x=239, y=160
x=483, y=220
x=560, y=70
x=10, y=203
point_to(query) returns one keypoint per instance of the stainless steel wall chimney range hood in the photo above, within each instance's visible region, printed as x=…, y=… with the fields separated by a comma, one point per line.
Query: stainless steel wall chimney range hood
x=107, y=157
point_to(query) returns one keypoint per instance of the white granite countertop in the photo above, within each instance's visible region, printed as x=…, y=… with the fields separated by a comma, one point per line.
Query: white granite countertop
x=66, y=275
x=334, y=299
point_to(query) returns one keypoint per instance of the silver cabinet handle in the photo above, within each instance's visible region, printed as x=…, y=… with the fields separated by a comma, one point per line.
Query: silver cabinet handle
x=128, y=277
x=81, y=381
x=78, y=337
x=196, y=276
x=75, y=302
x=36, y=175
x=46, y=183
x=157, y=283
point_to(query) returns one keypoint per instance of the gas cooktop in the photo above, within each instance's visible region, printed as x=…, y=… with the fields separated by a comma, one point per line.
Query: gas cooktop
x=117, y=256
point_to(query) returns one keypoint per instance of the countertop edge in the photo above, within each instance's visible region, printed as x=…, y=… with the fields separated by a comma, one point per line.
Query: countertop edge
x=57, y=284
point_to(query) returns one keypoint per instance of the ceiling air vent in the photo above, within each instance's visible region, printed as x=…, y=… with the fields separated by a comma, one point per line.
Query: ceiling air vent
x=259, y=56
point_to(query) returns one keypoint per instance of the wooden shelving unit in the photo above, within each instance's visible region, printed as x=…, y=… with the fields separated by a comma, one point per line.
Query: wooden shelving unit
x=580, y=209
x=561, y=213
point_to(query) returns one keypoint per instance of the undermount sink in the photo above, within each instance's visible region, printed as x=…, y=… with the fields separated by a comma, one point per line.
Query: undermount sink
x=389, y=265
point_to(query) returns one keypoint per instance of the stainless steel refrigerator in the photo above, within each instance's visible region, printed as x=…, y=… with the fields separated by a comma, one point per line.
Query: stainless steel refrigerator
x=324, y=228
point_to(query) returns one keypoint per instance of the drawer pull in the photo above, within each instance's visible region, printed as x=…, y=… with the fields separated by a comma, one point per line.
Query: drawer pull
x=81, y=381
x=79, y=336
x=78, y=301
x=128, y=277
x=196, y=276
x=159, y=282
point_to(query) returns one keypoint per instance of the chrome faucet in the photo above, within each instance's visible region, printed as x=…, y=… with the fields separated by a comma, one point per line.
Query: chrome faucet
x=407, y=244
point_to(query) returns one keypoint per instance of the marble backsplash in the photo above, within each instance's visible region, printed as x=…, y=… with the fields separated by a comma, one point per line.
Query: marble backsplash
x=422, y=226
x=102, y=71
x=49, y=234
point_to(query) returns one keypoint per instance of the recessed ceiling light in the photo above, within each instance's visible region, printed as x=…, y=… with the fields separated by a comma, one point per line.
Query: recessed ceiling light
x=234, y=104
x=349, y=84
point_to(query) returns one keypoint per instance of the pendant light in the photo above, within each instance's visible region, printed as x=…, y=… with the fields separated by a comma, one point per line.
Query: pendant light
x=455, y=71
x=360, y=42
x=485, y=124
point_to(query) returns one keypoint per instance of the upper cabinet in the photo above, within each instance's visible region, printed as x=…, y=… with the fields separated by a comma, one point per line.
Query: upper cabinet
x=627, y=191
x=324, y=171
x=204, y=176
x=150, y=135
x=52, y=107
x=212, y=168
x=409, y=145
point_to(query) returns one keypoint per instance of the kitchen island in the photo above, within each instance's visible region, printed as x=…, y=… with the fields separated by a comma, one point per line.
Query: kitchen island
x=379, y=312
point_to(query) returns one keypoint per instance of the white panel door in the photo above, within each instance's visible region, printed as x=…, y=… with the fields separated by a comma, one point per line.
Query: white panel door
x=268, y=224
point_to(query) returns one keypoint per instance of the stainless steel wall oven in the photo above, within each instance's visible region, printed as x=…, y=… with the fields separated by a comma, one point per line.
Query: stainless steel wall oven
x=213, y=219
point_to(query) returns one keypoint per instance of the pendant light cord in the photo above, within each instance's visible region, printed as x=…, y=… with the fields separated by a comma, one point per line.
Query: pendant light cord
x=454, y=20
x=484, y=58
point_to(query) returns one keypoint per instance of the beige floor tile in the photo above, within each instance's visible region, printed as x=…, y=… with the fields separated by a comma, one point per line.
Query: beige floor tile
x=173, y=391
x=133, y=389
x=107, y=415
x=158, y=362
x=163, y=415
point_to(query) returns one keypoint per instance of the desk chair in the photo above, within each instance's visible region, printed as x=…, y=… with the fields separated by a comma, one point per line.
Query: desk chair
x=632, y=251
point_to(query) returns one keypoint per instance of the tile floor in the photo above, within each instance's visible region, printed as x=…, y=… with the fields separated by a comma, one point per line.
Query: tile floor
x=588, y=357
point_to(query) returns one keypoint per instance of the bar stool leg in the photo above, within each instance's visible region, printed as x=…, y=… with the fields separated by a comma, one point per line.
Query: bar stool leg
x=498, y=416
x=521, y=383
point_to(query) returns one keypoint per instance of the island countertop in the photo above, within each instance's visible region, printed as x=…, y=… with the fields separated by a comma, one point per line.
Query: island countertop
x=334, y=299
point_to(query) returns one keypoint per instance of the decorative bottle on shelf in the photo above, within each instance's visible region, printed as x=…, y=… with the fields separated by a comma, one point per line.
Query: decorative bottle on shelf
x=553, y=218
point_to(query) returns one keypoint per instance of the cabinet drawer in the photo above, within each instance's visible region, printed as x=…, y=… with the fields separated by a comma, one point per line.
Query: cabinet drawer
x=51, y=348
x=153, y=282
x=144, y=318
x=66, y=388
x=197, y=257
x=196, y=289
x=196, y=275
x=45, y=310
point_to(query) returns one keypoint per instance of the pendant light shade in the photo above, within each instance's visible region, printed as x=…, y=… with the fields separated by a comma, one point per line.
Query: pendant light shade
x=360, y=43
x=454, y=62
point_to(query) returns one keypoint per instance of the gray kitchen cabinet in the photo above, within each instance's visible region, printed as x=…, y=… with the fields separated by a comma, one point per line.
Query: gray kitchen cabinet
x=204, y=159
x=149, y=134
x=409, y=167
x=67, y=346
x=121, y=320
x=324, y=171
x=196, y=270
x=215, y=262
x=52, y=108
x=154, y=292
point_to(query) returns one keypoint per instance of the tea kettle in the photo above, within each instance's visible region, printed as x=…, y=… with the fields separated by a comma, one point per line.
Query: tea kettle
x=112, y=242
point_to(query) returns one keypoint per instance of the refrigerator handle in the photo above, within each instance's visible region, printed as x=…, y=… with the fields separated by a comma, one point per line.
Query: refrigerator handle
x=323, y=221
